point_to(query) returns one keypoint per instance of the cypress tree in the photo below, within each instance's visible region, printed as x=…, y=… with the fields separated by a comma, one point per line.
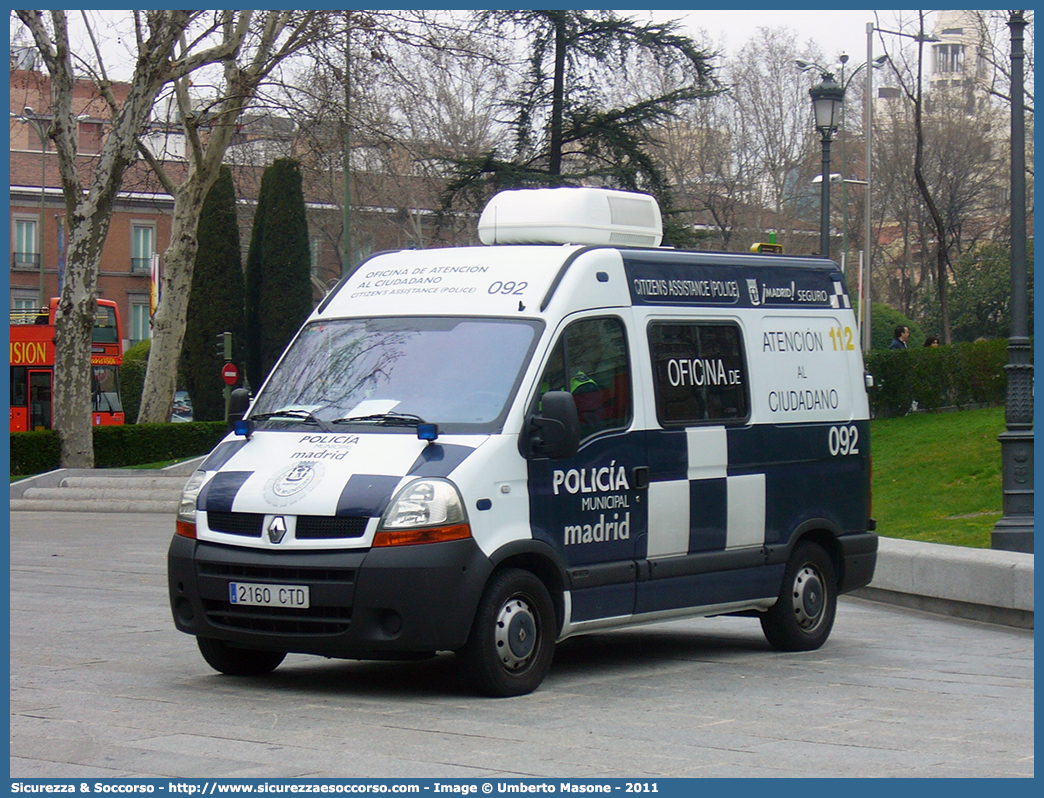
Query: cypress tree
x=278, y=273
x=215, y=301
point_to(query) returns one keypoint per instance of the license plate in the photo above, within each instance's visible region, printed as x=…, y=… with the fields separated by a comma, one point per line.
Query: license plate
x=254, y=595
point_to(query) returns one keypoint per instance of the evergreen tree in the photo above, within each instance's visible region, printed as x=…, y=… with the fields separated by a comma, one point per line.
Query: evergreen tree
x=215, y=301
x=278, y=273
x=571, y=127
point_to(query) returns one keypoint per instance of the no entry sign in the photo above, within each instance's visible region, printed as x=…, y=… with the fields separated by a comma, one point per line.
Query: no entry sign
x=229, y=373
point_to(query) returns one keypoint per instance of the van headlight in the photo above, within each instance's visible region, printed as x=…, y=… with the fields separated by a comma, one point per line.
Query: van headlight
x=186, y=521
x=424, y=511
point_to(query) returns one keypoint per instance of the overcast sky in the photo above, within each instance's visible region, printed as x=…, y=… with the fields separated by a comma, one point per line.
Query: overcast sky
x=835, y=30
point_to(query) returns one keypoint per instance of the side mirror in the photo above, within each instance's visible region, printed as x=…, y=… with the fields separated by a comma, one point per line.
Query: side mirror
x=555, y=432
x=238, y=404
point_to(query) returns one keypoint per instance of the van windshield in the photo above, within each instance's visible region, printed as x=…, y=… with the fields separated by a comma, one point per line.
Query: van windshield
x=458, y=373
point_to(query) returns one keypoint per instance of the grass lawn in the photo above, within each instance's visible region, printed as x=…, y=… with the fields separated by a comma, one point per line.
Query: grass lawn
x=937, y=476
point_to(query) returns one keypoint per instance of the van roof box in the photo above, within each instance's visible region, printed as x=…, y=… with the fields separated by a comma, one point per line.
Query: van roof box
x=593, y=216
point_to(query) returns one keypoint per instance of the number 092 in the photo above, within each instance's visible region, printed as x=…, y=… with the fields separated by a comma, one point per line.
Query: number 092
x=843, y=441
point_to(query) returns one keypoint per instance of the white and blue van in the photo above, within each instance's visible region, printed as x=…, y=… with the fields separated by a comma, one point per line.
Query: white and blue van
x=489, y=449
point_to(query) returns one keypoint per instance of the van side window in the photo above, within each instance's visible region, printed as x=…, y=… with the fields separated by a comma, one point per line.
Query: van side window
x=590, y=361
x=699, y=373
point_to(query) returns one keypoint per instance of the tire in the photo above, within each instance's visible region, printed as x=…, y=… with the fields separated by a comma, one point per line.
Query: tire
x=227, y=658
x=512, y=637
x=802, y=617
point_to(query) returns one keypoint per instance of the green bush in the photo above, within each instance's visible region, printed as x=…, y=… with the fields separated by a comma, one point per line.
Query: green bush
x=934, y=377
x=132, y=378
x=119, y=447
x=34, y=452
x=884, y=320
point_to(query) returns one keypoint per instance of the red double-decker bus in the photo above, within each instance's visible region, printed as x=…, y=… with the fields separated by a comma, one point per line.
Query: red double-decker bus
x=32, y=366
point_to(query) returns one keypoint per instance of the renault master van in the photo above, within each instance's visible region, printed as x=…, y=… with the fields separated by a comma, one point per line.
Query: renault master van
x=487, y=450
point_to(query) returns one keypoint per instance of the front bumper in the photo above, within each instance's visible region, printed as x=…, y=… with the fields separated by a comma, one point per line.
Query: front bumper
x=364, y=604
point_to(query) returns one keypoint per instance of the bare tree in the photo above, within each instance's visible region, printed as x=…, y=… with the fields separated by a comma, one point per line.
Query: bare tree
x=256, y=43
x=89, y=200
x=957, y=167
x=994, y=46
x=407, y=93
x=896, y=201
x=708, y=161
x=912, y=83
x=771, y=100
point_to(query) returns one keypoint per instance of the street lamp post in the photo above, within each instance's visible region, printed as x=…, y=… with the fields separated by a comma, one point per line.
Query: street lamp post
x=827, y=98
x=806, y=66
x=843, y=136
x=1014, y=531
x=865, y=301
x=868, y=123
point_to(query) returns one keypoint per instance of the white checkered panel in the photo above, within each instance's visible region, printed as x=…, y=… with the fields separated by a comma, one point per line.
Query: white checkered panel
x=746, y=515
x=670, y=513
x=668, y=519
x=708, y=452
x=839, y=299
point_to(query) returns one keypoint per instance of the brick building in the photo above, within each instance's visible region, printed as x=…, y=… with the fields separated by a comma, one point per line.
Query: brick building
x=389, y=211
x=140, y=224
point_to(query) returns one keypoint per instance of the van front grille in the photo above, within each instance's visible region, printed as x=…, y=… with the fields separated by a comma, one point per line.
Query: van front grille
x=278, y=620
x=309, y=527
x=324, y=527
x=277, y=574
x=247, y=525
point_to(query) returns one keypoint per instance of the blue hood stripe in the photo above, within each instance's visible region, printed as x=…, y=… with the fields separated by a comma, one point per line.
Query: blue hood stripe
x=438, y=460
x=222, y=453
x=218, y=494
x=366, y=495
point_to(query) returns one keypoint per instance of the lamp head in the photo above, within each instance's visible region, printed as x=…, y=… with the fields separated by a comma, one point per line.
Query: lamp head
x=827, y=98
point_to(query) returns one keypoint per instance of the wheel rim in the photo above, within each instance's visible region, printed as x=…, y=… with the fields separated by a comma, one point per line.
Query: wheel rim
x=515, y=635
x=809, y=598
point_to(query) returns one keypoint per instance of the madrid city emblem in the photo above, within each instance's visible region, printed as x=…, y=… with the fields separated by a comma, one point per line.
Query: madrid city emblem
x=293, y=482
x=752, y=290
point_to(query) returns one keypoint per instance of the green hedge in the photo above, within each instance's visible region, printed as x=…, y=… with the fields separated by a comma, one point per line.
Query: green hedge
x=934, y=377
x=118, y=447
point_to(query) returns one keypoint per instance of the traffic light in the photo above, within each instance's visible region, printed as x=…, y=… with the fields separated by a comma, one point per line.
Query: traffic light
x=224, y=346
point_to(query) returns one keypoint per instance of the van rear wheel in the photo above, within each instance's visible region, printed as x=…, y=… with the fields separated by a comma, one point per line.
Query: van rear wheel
x=802, y=617
x=513, y=636
x=227, y=658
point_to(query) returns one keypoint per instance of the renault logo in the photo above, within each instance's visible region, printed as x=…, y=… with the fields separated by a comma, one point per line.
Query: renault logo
x=276, y=529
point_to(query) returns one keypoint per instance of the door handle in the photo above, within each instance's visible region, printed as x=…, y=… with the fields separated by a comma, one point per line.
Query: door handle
x=640, y=477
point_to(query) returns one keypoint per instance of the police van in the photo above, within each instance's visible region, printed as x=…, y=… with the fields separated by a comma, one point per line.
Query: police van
x=490, y=449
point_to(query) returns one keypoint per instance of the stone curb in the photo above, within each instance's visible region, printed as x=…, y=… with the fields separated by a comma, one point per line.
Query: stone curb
x=978, y=584
x=54, y=479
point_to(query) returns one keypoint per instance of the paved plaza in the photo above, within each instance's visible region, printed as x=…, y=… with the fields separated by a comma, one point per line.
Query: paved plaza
x=103, y=686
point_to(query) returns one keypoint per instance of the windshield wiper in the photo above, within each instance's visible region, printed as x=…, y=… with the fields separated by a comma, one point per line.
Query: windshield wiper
x=387, y=419
x=298, y=415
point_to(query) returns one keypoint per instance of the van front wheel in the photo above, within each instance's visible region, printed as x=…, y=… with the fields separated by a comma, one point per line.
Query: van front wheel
x=227, y=658
x=802, y=617
x=513, y=636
